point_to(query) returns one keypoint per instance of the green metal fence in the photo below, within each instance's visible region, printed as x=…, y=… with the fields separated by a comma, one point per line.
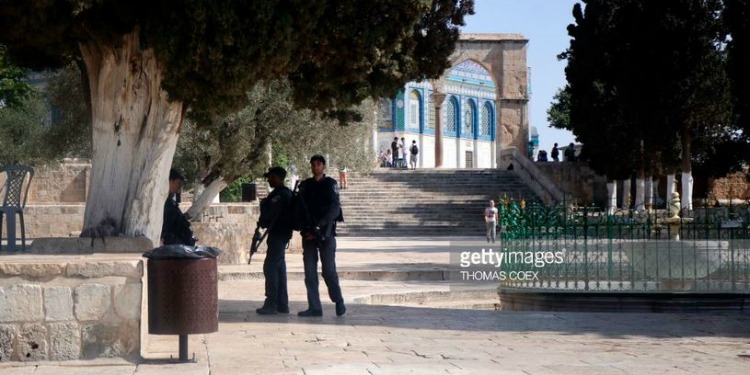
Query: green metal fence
x=584, y=249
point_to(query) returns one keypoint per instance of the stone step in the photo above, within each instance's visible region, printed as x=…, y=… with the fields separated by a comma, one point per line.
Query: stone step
x=424, y=202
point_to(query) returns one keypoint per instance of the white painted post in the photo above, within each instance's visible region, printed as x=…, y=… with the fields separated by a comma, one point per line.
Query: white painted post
x=612, y=197
x=687, y=191
x=639, y=194
x=649, y=192
x=626, y=185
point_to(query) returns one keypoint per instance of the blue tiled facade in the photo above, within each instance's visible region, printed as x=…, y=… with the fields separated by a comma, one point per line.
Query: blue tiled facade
x=468, y=112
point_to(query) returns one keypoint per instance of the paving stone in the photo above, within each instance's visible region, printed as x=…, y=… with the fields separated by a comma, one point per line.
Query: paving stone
x=17, y=370
x=165, y=368
x=65, y=341
x=21, y=303
x=407, y=339
x=58, y=303
x=110, y=340
x=92, y=301
x=85, y=370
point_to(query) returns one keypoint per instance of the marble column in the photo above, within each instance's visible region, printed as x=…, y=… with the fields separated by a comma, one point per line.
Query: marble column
x=437, y=99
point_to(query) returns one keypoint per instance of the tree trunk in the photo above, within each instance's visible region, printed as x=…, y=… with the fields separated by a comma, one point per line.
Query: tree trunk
x=626, y=185
x=612, y=197
x=640, y=180
x=206, y=197
x=640, y=192
x=649, y=192
x=135, y=129
x=687, y=177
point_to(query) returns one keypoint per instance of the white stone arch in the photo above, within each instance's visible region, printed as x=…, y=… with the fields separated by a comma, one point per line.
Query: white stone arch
x=504, y=57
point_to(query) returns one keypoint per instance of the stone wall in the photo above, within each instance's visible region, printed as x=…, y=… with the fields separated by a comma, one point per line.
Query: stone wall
x=228, y=226
x=59, y=183
x=578, y=181
x=734, y=186
x=64, y=308
x=52, y=220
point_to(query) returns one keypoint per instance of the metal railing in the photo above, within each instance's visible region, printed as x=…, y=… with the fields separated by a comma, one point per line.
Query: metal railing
x=584, y=249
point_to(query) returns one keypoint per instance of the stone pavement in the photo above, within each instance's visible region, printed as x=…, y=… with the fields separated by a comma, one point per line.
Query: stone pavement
x=413, y=329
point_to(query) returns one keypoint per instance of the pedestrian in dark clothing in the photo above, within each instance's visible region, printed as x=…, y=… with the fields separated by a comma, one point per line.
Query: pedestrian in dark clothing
x=276, y=215
x=320, y=195
x=555, y=153
x=175, y=229
x=542, y=156
x=394, y=153
x=570, y=152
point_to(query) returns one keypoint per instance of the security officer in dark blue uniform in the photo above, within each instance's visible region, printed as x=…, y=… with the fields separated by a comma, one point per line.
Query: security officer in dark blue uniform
x=321, y=198
x=276, y=215
x=175, y=229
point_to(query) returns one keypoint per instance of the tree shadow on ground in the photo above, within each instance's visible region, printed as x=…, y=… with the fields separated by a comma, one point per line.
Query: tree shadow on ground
x=608, y=325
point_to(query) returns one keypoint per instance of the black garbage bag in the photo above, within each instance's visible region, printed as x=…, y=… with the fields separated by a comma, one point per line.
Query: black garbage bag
x=182, y=252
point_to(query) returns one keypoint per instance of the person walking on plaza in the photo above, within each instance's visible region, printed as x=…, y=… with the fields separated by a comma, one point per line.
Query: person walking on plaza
x=320, y=198
x=414, y=150
x=491, y=219
x=555, y=153
x=342, y=177
x=276, y=215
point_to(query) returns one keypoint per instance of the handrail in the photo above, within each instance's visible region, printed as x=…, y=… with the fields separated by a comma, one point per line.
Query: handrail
x=534, y=178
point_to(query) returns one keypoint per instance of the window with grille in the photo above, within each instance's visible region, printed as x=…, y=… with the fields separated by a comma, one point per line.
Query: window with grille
x=415, y=110
x=451, y=119
x=469, y=118
x=486, y=119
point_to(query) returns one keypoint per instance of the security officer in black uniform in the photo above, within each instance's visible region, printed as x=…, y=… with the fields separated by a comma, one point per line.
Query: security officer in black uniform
x=276, y=215
x=175, y=229
x=320, y=195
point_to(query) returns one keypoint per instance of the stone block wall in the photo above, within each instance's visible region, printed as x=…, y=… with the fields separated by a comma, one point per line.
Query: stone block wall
x=60, y=183
x=54, y=308
x=52, y=220
x=577, y=180
x=734, y=186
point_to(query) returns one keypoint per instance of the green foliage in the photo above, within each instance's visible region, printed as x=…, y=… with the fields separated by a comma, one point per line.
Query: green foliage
x=646, y=80
x=233, y=191
x=22, y=131
x=736, y=19
x=70, y=132
x=558, y=114
x=336, y=53
x=14, y=89
x=47, y=125
x=236, y=147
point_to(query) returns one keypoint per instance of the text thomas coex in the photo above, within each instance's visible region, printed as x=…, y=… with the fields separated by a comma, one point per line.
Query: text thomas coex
x=489, y=257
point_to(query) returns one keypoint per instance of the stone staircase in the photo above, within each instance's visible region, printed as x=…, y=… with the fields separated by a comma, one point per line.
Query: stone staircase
x=445, y=202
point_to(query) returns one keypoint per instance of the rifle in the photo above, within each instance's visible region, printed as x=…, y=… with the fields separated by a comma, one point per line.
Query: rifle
x=258, y=238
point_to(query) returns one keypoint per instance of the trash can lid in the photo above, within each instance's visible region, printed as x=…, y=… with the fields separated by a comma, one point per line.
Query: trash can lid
x=182, y=252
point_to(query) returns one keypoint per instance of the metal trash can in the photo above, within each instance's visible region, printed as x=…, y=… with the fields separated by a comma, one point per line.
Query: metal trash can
x=249, y=192
x=183, y=292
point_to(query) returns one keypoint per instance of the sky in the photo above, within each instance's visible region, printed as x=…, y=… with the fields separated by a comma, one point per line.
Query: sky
x=544, y=23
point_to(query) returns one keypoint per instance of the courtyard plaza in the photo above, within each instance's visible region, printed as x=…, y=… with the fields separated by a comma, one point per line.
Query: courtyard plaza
x=404, y=318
